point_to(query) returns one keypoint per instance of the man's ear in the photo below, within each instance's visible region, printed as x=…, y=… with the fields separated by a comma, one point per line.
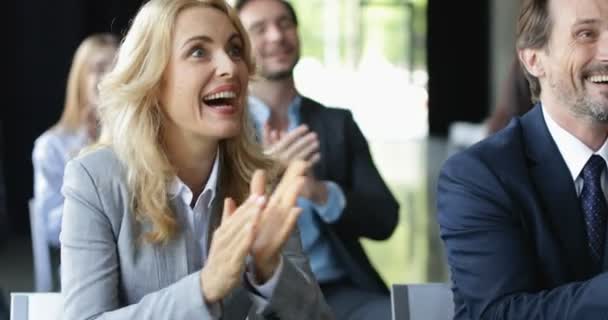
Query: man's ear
x=531, y=60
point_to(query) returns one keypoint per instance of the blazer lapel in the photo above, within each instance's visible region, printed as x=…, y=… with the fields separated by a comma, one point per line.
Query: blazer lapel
x=236, y=305
x=308, y=116
x=557, y=193
x=172, y=257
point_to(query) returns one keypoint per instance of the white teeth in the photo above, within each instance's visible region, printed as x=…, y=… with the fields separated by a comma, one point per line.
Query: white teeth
x=220, y=95
x=599, y=79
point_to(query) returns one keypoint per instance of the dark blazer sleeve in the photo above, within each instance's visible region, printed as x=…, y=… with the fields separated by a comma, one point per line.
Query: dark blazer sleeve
x=371, y=210
x=492, y=264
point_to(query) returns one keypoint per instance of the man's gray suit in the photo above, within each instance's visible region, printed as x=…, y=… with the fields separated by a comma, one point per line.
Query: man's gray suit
x=108, y=272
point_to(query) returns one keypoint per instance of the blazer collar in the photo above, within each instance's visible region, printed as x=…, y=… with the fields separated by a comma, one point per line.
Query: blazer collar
x=309, y=115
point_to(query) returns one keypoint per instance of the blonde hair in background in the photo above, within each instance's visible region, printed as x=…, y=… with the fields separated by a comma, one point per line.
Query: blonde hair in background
x=131, y=118
x=75, y=103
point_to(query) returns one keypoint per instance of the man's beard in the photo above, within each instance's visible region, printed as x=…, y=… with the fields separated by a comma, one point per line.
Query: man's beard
x=580, y=102
x=278, y=75
x=595, y=110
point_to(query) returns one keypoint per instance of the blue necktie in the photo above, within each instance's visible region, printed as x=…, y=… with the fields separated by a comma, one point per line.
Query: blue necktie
x=594, y=207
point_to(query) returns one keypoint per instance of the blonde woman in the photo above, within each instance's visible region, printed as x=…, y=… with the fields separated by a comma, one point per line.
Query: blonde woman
x=169, y=216
x=76, y=129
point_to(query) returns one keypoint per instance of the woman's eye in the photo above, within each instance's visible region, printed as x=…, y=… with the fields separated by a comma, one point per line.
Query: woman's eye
x=198, y=53
x=585, y=34
x=235, y=51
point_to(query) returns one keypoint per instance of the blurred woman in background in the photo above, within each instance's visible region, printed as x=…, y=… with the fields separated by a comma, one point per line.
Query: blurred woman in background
x=76, y=129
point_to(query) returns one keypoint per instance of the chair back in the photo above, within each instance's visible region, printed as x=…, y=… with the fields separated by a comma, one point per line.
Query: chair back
x=43, y=270
x=428, y=301
x=36, y=306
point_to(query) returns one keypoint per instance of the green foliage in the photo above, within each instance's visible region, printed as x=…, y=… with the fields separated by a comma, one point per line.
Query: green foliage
x=384, y=25
x=310, y=17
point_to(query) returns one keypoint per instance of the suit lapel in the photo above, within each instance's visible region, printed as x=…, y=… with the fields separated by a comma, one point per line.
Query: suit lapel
x=605, y=268
x=557, y=193
x=309, y=116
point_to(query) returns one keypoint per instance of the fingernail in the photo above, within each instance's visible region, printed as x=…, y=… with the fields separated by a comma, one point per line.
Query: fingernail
x=260, y=200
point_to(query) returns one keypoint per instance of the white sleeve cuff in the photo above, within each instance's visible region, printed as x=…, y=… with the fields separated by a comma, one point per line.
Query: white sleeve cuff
x=266, y=289
x=264, y=292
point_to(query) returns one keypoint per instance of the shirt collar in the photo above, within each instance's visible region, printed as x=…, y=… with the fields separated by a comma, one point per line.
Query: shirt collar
x=260, y=111
x=179, y=188
x=575, y=153
x=83, y=134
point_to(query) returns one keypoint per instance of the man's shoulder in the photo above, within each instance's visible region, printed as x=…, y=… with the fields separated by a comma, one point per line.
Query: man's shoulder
x=503, y=151
x=494, y=171
x=318, y=109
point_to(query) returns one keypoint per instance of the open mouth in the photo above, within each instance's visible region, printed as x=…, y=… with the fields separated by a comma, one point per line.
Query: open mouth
x=224, y=99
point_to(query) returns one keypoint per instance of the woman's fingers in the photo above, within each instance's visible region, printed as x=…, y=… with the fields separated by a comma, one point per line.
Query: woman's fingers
x=292, y=191
x=233, y=239
x=287, y=225
x=258, y=183
x=302, y=147
x=249, y=211
x=294, y=170
x=229, y=208
x=240, y=243
x=289, y=138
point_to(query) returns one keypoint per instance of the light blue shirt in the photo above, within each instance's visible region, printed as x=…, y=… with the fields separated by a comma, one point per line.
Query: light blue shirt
x=323, y=261
x=52, y=151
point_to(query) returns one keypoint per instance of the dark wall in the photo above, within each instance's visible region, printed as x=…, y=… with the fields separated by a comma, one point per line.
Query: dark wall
x=458, y=58
x=3, y=211
x=45, y=37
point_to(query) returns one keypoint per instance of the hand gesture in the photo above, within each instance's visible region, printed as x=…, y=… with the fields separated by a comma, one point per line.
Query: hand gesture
x=230, y=245
x=298, y=144
x=277, y=220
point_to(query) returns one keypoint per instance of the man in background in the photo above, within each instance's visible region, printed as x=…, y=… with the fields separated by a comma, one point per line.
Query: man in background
x=345, y=197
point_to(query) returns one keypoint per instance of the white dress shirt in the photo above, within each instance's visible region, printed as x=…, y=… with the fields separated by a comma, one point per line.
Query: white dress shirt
x=575, y=153
x=196, y=231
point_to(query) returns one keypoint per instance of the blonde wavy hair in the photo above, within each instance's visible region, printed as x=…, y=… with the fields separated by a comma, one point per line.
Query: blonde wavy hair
x=132, y=120
x=75, y=97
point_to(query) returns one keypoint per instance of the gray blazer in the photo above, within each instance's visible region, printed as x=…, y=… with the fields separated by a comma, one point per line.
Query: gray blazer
x=109, y=273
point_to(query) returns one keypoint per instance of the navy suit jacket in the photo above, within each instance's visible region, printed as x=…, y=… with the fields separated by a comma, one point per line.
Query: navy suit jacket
x=371, y=210
x=514, y=231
